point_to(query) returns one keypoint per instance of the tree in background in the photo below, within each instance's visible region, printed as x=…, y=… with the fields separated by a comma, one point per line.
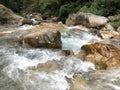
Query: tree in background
x=62, y=8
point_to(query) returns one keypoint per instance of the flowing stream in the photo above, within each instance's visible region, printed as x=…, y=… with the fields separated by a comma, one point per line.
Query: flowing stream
x=18, y=66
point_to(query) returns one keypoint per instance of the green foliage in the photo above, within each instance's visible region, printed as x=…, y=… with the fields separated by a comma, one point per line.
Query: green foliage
x=64, y=11
x=116, y=24
x=62, y=8
x=103, y=7
x=15, y=5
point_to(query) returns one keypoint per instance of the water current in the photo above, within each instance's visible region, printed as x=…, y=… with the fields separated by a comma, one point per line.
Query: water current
x=18, y=66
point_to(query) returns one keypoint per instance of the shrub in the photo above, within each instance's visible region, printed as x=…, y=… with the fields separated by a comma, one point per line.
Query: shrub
x=116, y=24
x=103, y=7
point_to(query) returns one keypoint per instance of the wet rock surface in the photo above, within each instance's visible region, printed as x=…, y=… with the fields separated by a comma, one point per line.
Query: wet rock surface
x=104, y=56
x=42, y=38
x=47, y=67
x=46, y=36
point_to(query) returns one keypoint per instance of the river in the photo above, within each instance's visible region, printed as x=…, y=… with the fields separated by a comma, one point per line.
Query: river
x=18, y=66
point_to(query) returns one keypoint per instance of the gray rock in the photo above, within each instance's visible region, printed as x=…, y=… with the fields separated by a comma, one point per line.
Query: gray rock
x=86, y=19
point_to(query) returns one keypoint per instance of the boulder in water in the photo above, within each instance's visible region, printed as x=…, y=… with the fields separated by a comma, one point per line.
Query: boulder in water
x=86, y=19
x=43, y=38
x=104, y=56
x=46, y=67
x=46, y=36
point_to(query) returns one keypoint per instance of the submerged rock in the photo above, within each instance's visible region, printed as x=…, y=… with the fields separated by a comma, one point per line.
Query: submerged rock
x=77, y=83
x=7, y=16
x=46, y=67
x=86, y=19
x=104, y=56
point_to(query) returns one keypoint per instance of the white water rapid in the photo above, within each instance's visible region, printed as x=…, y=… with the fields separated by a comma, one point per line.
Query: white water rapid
x=19, y=71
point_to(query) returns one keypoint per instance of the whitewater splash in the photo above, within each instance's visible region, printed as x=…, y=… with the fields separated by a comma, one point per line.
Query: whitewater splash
x=21, y=66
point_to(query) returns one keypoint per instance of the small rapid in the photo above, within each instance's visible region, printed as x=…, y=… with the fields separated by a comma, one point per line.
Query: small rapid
x=48, y=69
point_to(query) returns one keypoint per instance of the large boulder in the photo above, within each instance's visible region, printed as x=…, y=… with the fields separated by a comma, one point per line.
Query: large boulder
x=42, y=38
x=7, y=16
x=86, y=19
x=46, y=36
x=104, y=56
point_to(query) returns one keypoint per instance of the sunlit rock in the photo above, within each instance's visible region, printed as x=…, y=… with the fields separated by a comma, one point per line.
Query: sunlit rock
x=57, y=26
x=86, y=19
x=107, y=32
x=115, y=40
x=7, y=16
x=104, y=56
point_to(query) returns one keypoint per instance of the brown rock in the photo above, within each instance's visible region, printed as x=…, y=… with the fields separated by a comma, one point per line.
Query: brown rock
x=7, y=16
x=107, y=32
x=77, y=83
x=27, y=21
x=68, y=53
x=46, y=67
x=104, y=56
x=42, y=38
x=115, y=40
x=116, y=37
x=86, y=19
x=46, y=36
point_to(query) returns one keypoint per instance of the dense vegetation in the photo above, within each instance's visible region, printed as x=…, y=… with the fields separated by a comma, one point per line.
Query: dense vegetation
x=62, y=8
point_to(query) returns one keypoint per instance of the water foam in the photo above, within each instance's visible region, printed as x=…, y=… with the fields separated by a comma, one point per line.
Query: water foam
x=21, y=62
x=74, y=41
